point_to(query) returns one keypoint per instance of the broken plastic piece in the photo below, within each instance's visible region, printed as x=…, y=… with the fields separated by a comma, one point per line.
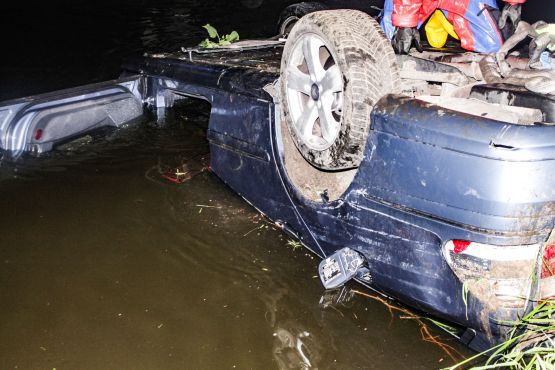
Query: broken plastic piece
x=339, y=268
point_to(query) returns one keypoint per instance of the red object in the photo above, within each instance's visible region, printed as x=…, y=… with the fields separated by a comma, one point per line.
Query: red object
x=460, y=245
x=38, y=134
x=548, y=263
x=408, y=13
x=174, y=178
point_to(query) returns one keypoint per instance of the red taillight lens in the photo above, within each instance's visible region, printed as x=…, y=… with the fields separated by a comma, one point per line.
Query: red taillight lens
x=460, y=245
x=38, y=134
x=548, y=262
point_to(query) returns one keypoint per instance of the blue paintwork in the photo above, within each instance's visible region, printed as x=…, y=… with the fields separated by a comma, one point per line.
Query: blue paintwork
x=429, y=175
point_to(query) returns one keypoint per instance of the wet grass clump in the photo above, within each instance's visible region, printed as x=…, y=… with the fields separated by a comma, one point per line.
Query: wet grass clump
x=531, y=344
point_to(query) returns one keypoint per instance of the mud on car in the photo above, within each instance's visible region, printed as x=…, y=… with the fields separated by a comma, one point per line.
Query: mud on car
x=426, y=177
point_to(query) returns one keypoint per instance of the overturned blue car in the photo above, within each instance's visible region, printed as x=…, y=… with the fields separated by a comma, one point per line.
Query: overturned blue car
x=425, y=176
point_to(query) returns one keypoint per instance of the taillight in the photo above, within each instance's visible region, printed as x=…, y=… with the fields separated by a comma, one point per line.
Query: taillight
x=547, y=287
x=548, y=261
x=494, y=274
x=460, y=246
x=38, y=134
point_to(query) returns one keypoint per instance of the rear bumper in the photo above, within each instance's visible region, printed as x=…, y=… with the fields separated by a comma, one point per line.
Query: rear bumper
x=431, y=175
x=39, y=123
x=481, y=175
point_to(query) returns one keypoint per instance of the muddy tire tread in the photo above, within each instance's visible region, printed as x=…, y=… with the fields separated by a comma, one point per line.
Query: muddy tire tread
x=370, y=71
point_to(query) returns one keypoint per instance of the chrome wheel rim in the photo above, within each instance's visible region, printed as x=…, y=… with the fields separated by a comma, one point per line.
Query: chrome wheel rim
x=314, y=92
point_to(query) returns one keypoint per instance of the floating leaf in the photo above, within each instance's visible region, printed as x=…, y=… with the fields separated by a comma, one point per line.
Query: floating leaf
x=211, y=30
x=233, y=36
x=208, y=44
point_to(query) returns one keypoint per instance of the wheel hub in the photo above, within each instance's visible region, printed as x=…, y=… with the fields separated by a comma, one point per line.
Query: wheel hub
x=315, y=92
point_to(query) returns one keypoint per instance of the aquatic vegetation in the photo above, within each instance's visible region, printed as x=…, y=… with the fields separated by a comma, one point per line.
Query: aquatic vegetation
x=531, y=344
x=425, y=331
x=214, y=40
x=294, y=244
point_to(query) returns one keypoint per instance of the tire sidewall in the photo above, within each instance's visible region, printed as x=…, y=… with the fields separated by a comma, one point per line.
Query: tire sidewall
x=330, y=158
x=283, y=25
x=294, y=12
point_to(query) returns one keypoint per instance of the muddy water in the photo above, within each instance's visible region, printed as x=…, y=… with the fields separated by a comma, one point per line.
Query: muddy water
x=107, y=264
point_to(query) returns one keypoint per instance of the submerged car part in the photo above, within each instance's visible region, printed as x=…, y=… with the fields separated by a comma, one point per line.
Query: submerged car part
x=39, y=123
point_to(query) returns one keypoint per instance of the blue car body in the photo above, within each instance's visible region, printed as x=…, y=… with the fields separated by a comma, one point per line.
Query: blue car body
x=429, y=176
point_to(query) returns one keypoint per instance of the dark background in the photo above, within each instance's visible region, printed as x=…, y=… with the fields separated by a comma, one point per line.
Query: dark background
x=62, y=43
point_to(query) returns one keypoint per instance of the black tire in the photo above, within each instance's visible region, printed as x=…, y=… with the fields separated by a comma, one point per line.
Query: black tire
x=368, y=68
x=290, y=15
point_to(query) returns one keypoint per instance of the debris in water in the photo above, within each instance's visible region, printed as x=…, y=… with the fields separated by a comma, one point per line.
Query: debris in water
x=256, y=228
x=424, y=329
x=189, y=168
x=294, y=244
x=185, y=172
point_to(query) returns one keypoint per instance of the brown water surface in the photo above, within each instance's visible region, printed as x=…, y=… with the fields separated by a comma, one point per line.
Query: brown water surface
x=106, y=264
